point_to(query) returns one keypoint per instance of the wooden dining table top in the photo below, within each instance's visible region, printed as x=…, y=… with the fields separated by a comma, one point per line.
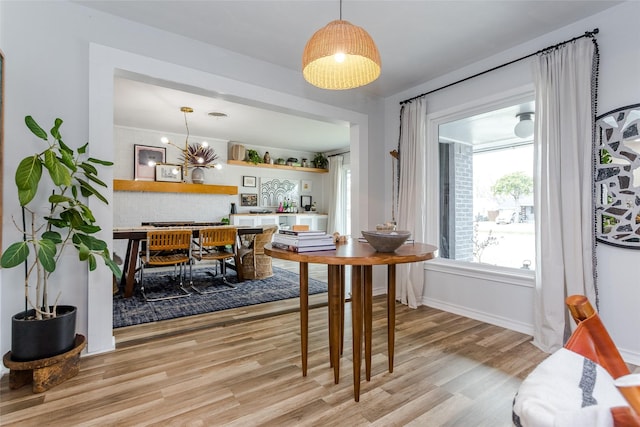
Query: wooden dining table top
x=141, y=230
x=357, y=253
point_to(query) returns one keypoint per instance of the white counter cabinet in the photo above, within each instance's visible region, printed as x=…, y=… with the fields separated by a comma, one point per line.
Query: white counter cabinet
x=314, y=221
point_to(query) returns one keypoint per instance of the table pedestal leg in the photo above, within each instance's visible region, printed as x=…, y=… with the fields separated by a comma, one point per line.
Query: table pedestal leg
x=356, y=325
x=335, y=307
x=304, y=314
x=128, y=277
x=342, y=299
x=391, y=312
x=368, y=318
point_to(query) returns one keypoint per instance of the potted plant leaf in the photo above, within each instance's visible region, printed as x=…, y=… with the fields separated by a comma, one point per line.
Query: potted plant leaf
x=69, y=178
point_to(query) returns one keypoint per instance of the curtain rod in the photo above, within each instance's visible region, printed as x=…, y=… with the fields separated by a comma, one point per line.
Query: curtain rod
x=338, y=154
x=546, y=49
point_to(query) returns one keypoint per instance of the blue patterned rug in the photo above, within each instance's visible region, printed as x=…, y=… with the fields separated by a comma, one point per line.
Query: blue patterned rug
x=135, y=310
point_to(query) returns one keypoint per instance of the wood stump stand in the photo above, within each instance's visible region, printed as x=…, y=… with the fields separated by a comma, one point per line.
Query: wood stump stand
x=45, y=373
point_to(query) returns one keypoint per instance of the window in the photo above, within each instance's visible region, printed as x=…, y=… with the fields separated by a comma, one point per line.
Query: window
x=486, y=189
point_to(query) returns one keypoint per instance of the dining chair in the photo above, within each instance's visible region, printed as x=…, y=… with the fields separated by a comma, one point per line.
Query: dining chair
x=584, y=383
x=167, y=248
x=253, y=263
x=213, y=245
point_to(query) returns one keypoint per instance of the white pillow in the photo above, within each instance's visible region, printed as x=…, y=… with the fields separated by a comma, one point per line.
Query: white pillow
x=566, y=389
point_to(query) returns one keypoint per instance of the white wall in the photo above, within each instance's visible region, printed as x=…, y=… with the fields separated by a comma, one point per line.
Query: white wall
x=60, y=62
x=618, y=269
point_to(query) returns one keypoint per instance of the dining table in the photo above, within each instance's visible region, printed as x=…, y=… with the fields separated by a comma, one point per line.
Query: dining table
x=135, y=235
x=361, y=256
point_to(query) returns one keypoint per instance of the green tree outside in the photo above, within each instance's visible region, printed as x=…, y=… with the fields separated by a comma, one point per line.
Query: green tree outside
x=515, y=184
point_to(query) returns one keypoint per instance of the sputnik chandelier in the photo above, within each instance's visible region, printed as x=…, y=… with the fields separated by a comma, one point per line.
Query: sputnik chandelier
x=194, y=155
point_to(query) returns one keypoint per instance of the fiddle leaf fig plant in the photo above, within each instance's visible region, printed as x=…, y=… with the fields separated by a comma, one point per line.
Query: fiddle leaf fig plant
x=70, y=177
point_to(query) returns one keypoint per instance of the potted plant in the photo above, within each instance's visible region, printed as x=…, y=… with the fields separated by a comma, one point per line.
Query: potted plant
x=70, y=178
x=320, y=161
x=253, y=157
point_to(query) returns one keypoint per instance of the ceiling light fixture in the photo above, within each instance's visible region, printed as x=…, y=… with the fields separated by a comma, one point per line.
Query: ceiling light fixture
x=524, y=127
x=197, y=155
x=340, y=56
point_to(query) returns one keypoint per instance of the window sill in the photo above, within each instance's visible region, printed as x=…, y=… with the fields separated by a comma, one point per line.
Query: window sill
x=494, y=273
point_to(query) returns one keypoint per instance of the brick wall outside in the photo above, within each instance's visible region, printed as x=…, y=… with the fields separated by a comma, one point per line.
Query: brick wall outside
x=463, y=163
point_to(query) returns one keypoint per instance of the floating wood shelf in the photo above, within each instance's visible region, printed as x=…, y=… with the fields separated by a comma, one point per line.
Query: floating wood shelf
x=172, y=187
x=285, y=167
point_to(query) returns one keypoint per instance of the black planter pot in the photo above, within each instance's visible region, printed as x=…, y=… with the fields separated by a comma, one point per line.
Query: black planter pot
x=39, y=339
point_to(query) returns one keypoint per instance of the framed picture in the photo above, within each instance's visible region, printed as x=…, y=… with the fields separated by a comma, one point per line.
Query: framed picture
x=248, y=181
x=305, y=202
x=306, y=186
x=145, y=159
x=248, y=199
x=168, y=172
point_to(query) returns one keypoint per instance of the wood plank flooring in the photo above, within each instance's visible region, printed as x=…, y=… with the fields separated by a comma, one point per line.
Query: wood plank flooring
x=241, y=367
x=449, y=371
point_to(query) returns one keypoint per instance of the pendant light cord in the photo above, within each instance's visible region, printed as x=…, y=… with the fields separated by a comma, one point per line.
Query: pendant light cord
x=186, y=124
x=341, y=10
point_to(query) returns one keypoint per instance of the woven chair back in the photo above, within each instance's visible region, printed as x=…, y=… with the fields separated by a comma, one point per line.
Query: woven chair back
x=169, y=240
x=213, y=237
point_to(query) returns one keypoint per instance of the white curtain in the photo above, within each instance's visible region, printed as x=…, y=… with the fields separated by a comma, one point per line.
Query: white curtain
x=563, y=198
x=336, y=220
x=412, y=196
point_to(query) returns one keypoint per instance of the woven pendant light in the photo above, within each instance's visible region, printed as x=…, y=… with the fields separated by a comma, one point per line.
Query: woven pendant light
x=340, y=56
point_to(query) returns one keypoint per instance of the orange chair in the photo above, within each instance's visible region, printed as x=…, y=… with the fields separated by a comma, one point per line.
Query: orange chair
x=165, y=248
x=300, y=227
x=578, y=384
x=212, y=246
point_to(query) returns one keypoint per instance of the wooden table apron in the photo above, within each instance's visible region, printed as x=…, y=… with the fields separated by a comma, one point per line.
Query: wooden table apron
x=135, y=235
x=362, y=257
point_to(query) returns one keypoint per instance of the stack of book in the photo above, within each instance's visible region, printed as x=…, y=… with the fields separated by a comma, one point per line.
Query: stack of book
x=303, y=241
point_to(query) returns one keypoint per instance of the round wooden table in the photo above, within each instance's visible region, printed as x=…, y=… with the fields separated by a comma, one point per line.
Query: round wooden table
x=361, y=256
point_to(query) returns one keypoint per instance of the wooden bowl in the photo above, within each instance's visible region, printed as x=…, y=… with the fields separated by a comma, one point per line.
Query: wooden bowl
x=386, y=241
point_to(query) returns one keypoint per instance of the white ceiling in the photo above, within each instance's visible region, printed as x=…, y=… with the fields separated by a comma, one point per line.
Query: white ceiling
x=147, y=106
x=418, y=41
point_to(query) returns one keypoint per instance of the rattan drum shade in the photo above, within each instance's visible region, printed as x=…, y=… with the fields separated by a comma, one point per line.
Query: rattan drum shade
x=361, y=63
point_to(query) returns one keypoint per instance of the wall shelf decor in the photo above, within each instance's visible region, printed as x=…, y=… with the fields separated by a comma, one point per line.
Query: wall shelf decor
x=270, y=166
x=617, y=177
x=274, y=191
x=172, y=187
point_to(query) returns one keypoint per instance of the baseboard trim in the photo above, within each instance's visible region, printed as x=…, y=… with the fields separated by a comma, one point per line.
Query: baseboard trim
x=480, y=315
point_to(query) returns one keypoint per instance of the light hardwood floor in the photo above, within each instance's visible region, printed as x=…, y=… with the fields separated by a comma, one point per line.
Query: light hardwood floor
x=242, y=367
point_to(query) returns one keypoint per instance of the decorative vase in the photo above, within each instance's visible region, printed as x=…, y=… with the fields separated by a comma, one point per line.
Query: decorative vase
x=238, y=152
x=39, y=339
x=197, y=176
